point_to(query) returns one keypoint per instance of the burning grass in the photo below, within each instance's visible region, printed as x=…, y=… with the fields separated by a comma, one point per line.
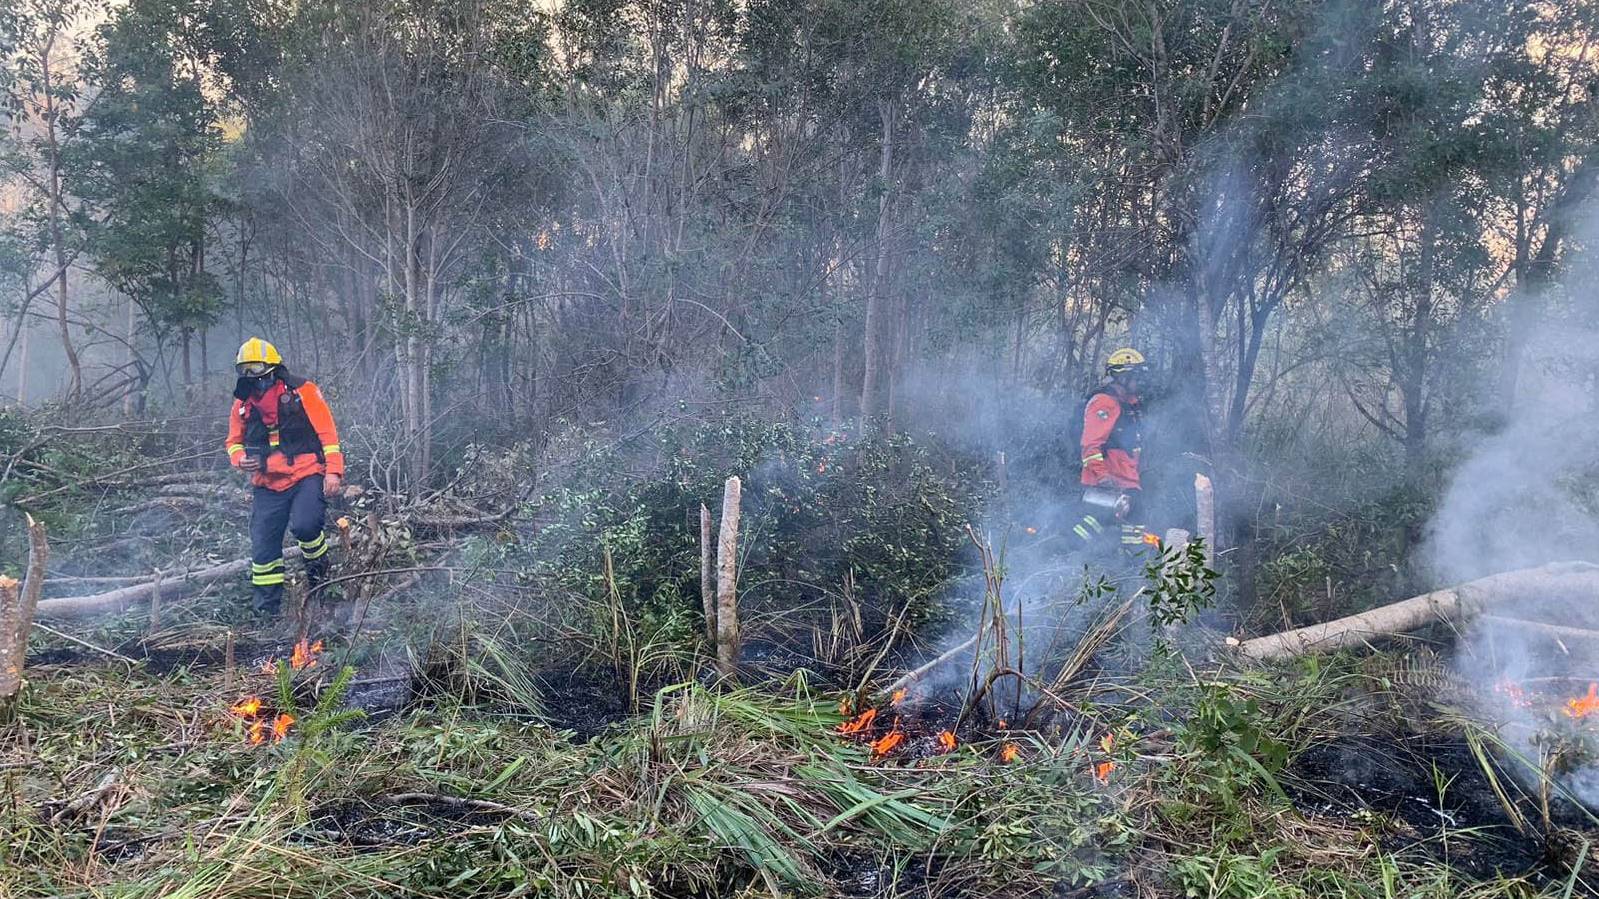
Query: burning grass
x=703, y=794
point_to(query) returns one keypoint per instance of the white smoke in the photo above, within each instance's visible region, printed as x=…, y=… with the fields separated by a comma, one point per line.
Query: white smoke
x=1526, y=495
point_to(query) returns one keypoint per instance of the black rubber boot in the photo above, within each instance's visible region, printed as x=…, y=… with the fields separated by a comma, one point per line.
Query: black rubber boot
x=267, y=601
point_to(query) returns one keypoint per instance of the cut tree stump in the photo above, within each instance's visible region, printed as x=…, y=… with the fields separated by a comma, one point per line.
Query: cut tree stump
x=17, y=605
x=707, y=574
x=10, y=620
x=1447, y=605
x=1205, y=515
x=727, y=580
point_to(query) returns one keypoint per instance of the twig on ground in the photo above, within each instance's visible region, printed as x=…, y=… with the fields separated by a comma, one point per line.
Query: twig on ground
x=85, y=644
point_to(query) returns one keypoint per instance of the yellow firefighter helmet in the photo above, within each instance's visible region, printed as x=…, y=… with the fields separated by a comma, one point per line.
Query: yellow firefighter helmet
x=256, y=357
x=1125, y=360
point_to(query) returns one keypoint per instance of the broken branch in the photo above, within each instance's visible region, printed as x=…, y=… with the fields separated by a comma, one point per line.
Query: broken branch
x=1447, y=605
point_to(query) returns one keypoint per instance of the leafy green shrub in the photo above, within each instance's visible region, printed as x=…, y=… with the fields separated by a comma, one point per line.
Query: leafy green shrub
x=824, y=515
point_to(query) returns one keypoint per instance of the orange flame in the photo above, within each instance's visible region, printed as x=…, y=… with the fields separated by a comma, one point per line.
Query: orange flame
x=304, y=655
x=270, y=666
x=946, y=741
x=1151, y=538
x=1103, y=769
x=886, y=743
x=257, y=732
x=280, y=726
x=248, y=707
x=1010, y=752
x=899, y=696
x=1002, y=724
x=858, y=723
x=1031, y=531
x=1584, y=706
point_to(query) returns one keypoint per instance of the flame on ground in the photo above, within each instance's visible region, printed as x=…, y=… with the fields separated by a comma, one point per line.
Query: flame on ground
x=257, y=732
x=947, y=741
x=249, y=707
x=1102, y=771
x=899, y=696
x=858, y=723
x=1151, y=538
x=280, y=726
x=304, y=655
x=888, y=742
x=1583, y=706
x=1010, y=752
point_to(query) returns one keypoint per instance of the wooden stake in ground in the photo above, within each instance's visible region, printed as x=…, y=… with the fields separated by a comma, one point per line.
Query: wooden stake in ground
x=17, y=605
x=1449, y=604
x=727, y=580
x=1205, y=506
x=707, y=575
x=155, y=604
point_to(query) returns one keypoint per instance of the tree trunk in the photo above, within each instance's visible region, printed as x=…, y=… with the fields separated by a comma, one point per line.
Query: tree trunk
x=128, y=399
x=57, y=204
x=872, y=354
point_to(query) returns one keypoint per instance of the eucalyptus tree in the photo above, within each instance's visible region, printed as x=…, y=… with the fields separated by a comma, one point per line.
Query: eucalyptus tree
x=43, y=44
x=142, y=166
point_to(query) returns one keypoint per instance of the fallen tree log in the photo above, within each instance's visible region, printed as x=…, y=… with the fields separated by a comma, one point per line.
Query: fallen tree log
x=119, y=599
x=1552, y=631
x=1447, y=605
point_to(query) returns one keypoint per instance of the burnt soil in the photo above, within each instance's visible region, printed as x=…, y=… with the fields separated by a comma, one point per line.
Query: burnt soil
x=1391, y=786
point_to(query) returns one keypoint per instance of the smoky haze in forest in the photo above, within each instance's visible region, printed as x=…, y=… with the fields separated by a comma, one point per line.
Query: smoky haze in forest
x=596, y=218
x=1521, y=496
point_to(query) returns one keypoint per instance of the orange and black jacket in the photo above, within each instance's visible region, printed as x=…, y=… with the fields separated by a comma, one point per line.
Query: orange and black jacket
x=1112, y=440
x=291, y=426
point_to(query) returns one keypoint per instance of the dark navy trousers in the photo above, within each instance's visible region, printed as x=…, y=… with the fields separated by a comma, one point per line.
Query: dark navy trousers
x=301, y=510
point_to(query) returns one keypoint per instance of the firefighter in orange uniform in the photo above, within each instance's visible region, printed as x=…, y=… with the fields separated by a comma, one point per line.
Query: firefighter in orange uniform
x=281, y=431
x=1112, y=444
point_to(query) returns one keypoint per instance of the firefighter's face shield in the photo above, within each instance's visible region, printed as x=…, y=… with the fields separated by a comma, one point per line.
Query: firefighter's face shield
x=254, y=380
x=1130, y=377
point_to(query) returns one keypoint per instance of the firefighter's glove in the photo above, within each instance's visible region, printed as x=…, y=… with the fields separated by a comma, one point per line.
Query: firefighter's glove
x=250, y=464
